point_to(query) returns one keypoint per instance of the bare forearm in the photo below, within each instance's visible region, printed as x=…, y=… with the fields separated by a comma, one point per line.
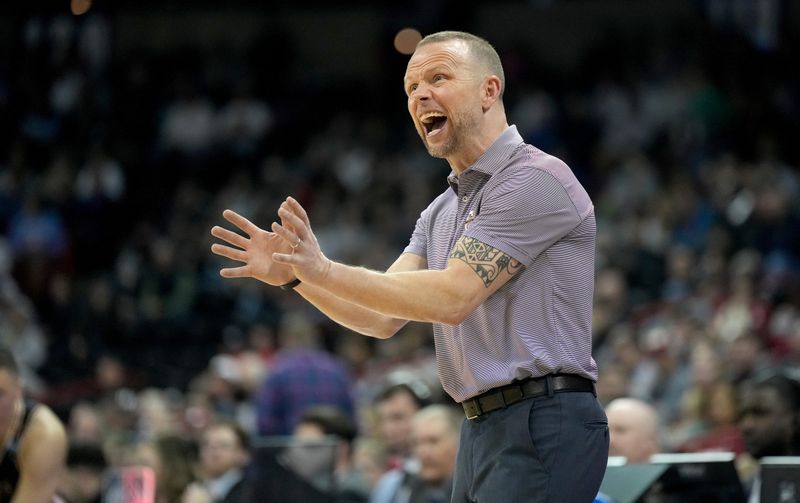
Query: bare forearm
x=423, y=295
x=352, y=316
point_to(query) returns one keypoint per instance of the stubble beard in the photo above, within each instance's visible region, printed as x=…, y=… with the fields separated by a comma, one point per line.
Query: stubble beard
x=462, y=126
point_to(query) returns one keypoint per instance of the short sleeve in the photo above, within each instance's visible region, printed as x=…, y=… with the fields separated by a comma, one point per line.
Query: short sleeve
x=524, y=213
x=418, y=245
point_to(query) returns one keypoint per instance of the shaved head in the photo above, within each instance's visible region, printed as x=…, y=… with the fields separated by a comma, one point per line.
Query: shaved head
x=633, y=425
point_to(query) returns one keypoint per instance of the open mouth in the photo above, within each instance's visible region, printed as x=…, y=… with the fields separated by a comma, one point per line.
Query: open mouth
x=433, y=122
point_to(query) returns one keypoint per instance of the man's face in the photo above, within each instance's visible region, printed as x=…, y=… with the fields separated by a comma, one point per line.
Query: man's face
x=629, y=437
x=435, y=447
x=443, y=96
x=220, y=451
x=395, y=418
x=766, y=422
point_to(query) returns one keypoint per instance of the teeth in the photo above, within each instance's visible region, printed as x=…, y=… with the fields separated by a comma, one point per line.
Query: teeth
x=428, y=116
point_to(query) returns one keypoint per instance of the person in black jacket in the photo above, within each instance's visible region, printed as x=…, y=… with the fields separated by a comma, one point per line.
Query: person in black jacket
x=224, y=456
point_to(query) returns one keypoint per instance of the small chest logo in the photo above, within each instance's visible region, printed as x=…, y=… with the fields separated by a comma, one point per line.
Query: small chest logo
x=470, y=218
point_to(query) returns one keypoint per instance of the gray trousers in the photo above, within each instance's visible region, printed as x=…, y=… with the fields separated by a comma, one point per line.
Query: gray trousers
x=550, y=449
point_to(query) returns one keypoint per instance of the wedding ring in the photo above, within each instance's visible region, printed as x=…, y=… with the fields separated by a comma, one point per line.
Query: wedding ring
x=295, y=245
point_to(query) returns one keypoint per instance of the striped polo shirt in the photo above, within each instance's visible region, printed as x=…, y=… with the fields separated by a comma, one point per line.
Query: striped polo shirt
x=529, y=205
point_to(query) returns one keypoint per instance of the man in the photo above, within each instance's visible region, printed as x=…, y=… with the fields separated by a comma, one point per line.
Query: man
x=769, y=418
x=224, y=455
x=34, y=442
x=502, y=264
x=303, y=374
x=82, y=481
x=321, y=421
x=633, y=425
x=395, y=407
x=435, y=433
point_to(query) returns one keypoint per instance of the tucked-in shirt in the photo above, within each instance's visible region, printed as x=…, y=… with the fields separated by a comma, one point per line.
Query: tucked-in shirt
x=530, y=206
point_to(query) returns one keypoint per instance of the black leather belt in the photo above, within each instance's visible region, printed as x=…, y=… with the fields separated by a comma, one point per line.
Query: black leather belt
x=517, y=391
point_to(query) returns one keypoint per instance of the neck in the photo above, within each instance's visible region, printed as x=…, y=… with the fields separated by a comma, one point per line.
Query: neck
x=470, y=154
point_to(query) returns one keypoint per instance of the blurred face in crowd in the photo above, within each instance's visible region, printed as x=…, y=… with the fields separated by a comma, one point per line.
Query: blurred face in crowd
x=395, y=416
x=312, y=456
x=633, y=427
x=443, y=91
x=767, y=423
x=81, y=483
x=220, y=451
x=435, y=446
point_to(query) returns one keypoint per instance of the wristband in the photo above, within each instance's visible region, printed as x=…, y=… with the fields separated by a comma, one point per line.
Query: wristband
x=290, y=285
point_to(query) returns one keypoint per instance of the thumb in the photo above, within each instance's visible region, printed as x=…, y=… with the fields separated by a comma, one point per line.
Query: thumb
x=284, y=258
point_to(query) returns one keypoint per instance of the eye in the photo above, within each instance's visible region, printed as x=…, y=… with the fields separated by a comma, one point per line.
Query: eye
x=412, y=88
x=438, y=77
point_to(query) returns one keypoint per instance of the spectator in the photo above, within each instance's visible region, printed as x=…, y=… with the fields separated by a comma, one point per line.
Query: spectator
x=634, y=428
x=320, y=421
x=303, y=375
x=224, y=455
x=435, y=432
x=396, y=406
x=82, y=482
x=769, y=417
x=34, y=444
x=172, y=459
x=719, y=414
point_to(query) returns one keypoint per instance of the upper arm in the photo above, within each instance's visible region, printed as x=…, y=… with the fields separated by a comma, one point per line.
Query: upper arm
x=528, y=212
x=477, y=270
x=42, y=455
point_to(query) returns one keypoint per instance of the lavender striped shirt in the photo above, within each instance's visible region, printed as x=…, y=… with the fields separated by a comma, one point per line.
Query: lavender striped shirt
x=529, y=205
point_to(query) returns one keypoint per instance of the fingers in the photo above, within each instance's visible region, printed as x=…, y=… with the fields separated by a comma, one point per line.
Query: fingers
x=229, y=236
x=297, y=209
x=301, y=229
x=241, y=222
x=284, y=258
x=287, y=235
x=234, y=272
x=228, y=252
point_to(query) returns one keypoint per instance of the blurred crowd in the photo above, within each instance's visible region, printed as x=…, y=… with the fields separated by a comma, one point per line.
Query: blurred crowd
x=115, y=167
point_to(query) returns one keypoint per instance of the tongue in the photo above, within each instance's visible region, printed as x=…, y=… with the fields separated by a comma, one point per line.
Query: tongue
x=436, y=125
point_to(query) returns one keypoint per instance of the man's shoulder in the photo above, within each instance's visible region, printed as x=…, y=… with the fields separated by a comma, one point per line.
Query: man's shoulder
x=528, y=158
x=530, y=166
x=45, y=423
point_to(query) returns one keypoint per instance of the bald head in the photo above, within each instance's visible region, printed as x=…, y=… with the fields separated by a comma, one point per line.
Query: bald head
x=634, y=429
x=480, y=51
x=435, y=433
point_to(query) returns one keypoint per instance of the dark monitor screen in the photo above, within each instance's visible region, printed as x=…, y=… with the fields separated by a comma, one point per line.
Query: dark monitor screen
x=284, y=469
x=780, y=479
x=700, y=478
x=676, y=478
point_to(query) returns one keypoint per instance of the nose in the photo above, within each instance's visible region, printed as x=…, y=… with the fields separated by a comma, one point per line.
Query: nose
x=421, y=93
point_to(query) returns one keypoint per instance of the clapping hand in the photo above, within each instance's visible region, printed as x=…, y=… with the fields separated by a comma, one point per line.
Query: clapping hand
x=305, y=256
x=255, y=249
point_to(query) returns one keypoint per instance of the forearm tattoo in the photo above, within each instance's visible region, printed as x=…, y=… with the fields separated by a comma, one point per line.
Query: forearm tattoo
x=486, y=261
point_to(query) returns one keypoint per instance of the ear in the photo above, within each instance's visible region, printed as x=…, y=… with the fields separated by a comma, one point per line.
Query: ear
x=490, y=91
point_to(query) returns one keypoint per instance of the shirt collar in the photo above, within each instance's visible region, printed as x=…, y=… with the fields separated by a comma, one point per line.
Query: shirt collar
x=494, y=157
